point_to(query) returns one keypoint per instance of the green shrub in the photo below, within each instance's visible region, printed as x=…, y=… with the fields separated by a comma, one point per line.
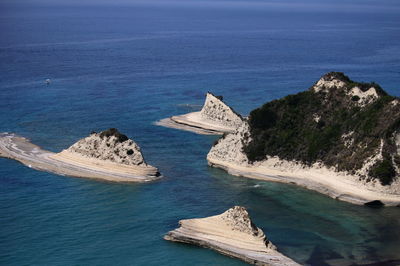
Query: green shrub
x=286, y=128
x=384, y=171
x=113, y=132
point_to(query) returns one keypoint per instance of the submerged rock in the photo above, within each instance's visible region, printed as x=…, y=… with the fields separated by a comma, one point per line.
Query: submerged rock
x=231, y=233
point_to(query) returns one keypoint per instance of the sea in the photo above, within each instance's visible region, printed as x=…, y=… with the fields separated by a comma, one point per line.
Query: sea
x=126, y=64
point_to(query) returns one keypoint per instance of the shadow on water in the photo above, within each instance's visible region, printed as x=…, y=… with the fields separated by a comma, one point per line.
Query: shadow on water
x=313, y=228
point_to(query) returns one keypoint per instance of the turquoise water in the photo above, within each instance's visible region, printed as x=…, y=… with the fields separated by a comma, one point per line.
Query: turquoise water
x=128, y=65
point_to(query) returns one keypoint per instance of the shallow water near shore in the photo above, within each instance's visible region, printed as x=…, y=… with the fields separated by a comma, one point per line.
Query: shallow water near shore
x=127, y=67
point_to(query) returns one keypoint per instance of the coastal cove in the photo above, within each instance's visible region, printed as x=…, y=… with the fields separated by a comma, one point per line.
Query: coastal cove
x=126, y=67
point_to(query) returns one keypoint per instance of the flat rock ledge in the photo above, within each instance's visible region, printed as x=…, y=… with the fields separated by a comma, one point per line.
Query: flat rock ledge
x=231, y=233
x=108, y=155
x=215, y=118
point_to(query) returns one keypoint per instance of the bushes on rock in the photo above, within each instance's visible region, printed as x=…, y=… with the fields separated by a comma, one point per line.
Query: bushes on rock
x=288, y=128
x=114, y=132
x=384, y=171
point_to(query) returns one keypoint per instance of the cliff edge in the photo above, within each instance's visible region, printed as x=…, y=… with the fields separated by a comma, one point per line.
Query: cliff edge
x=340, y=137
x=215, y=118
x=214, y=109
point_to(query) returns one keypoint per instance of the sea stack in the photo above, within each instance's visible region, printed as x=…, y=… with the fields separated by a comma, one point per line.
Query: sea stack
x=108, y=155
x=340, y=137
x=231, y=233
x=215, y=118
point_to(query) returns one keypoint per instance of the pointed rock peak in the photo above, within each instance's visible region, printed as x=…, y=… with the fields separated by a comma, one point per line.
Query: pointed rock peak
x=238, y=218
x=109, y=145
x=331, y=80
x=216, y=110
x=336, y=76
x=215, y=98
x=341, y=78
x=219, y=97
x=360, y=93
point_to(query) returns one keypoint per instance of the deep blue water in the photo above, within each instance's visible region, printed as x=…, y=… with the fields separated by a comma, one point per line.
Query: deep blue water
x=126, y=65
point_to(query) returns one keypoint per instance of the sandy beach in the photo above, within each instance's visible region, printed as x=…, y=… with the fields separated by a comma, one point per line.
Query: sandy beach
x=196, y=123
x=66, y=163
x=334, y=184
x=170, y=123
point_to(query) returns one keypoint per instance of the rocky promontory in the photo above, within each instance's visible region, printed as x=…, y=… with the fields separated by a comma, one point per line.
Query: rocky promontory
x=108, y=155
x=340, y=137
x=231, y=233
x=215, y=118
x=109, y=145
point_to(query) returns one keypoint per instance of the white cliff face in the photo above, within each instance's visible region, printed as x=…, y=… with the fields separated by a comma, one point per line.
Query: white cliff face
x=366, y=97
x=238, y=219
x=109, y=147
x=217, y=111
x=325, y=84
x=230, y=147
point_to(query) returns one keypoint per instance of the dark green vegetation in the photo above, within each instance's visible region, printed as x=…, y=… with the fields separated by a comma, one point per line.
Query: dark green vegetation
x=316, y=126
x=113, y=132
x=383, y=170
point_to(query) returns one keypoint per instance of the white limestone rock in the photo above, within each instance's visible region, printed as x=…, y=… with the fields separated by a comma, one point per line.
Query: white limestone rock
x=357, y=186
x=214, y=109
x=326, y=83
x=229, y=148
x=109, y=145
x=335, y=81
x=231, y=233
x=238, y=219
x=366, y=97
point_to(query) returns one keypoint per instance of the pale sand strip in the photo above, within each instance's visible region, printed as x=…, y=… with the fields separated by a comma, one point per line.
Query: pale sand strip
x=100, y=165
x=20, y=149
x=212, y=232
x=321, y=180
x=168, y=122
x=195, y=123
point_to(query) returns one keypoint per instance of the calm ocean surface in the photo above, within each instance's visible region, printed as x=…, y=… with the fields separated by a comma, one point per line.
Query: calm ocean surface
x=127, y=65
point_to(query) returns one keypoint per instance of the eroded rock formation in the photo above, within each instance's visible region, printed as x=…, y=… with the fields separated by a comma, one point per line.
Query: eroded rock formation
x=231, y=233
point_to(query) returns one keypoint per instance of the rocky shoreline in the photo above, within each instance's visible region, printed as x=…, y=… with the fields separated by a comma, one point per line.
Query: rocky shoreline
x=228, y=154
x=82, y=159
x=374, y=180
x=231, y=233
